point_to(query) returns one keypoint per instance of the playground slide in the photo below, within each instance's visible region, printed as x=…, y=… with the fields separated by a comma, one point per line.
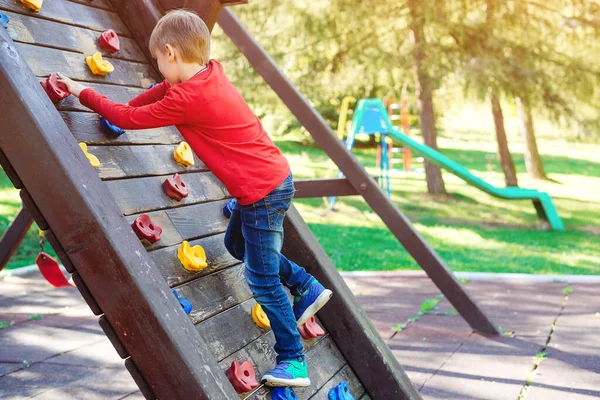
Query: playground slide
x=541, y=200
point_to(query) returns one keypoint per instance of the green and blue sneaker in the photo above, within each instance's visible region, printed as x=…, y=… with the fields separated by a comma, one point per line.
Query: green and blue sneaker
x=308, y=304
x=287, y=373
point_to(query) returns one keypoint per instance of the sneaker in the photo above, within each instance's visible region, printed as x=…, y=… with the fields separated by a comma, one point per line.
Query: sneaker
x=307, y=305
x=287, y=373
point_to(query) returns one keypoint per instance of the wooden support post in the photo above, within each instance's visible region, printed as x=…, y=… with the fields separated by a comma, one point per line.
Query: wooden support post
x=356, y=337
x=398, y=224
x=115, y=267
x=14, y=236
x=307, y=188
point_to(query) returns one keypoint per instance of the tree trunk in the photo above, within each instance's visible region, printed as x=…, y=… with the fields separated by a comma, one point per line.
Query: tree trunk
x=433, y=174
x=506, y=161
x=533, y=161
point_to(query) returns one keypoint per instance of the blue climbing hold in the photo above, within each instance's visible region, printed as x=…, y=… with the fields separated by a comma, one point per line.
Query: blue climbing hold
x=283, y=393
x=185, y=303
x=110, y=128
x=340, y=392
x=4, y=20
x=151, y=86
x=228, y=209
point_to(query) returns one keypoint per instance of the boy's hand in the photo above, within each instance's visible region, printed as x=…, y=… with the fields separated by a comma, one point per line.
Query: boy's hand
x=74, y=87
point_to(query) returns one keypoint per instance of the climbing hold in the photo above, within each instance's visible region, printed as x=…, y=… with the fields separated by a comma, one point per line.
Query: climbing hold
x=35, y=5
x=259, y=317
x=283, y=393
x=185, y=303
x=109, y=128
x=175, y=188
x=310, y=329
x=97, y=65
x=340, y=392
x=51, y=271
x=192, y=258
x=151, y=86
x=91, y=158
x=109, y=41
x=228, y=209
x=242, y=376
x=183, y=154
x=4, y=20
x=55, y=89
x=145, y=229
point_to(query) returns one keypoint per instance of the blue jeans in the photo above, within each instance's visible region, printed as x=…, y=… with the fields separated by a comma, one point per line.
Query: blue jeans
x=255, y=235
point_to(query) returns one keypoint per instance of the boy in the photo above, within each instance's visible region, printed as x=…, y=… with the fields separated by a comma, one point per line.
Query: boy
x=219, y=126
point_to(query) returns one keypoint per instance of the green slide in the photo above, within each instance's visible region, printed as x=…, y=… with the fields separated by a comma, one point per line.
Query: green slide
x=367, y=110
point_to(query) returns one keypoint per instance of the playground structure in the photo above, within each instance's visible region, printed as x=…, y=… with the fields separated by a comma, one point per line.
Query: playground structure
x=371, y=117
x=87, y=214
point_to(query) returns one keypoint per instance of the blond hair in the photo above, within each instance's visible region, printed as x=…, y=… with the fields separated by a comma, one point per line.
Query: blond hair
x=185, y=31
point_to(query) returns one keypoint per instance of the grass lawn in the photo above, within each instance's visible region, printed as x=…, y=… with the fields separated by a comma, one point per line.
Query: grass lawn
x=471, y=230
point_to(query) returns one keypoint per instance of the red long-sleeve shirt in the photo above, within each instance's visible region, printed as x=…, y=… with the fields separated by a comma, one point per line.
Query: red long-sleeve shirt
x=215, y=121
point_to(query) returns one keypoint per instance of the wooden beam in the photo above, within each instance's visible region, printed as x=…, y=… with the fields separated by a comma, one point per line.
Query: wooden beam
x=9, y=243
x=208, y=10
x=124, y=282
x=306, y=188
x=348, y=325
x=398, y=224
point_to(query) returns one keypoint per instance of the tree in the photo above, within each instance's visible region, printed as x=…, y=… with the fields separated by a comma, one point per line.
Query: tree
x=505, y=158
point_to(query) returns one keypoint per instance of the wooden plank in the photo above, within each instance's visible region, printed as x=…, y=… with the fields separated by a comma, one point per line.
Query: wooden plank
x=216, y=292
x=13, y=236
x=355, y=172
x=346, y=375
x=355, y=335
x=324, y=361
x=103, y=4
x=119, y=94
x=86, y=128
x=217, y=258
x=187, y=223
x=44, y=61
x=323, y=187
x=208, y=10
x=25, y=29
x=137, y=161
x=71, y=13
x=138, y=195
x=107, y=255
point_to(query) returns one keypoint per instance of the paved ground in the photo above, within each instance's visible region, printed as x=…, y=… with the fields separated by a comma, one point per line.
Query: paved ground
x=64, y=354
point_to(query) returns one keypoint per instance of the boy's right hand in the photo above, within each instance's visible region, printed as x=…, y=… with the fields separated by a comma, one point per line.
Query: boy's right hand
x=74, y=87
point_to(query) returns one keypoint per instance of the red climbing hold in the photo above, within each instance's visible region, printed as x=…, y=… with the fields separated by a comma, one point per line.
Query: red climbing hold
x=110, y=41
x=51, y=271
x=242, y=376
x=175, y=188
x=310, y=329
x=55, y=90
x=145, y=229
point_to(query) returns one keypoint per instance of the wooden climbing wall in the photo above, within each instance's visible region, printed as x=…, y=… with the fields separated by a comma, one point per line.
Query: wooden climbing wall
x=133, y=167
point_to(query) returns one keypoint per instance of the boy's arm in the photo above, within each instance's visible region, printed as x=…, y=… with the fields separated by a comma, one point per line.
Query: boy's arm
x=171, y=110
x=151, y=95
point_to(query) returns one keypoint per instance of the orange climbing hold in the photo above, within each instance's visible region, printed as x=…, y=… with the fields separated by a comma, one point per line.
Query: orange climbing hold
x=242, y=376
x=192, y=258
x=91, y=158
x=259, y=317
x=183, y=154
x=310, y=329
x=97, y=65
x=35, y=5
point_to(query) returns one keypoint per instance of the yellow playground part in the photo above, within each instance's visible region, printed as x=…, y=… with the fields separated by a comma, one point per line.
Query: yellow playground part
x=91, y=158
x=183, y=154
x=259, y=317
x=35, y=5
x=341, y=128
x=192, y=258
x=97, y=65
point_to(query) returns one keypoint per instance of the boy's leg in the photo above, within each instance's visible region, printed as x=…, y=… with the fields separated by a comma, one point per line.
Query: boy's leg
x=263, y=234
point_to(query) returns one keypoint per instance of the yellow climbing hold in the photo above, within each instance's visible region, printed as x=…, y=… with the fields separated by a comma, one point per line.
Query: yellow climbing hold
x=98, y=65
x=183, y=154
x=92, y=158
x=192, y=258
x=35, y=5
x=259, y=317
